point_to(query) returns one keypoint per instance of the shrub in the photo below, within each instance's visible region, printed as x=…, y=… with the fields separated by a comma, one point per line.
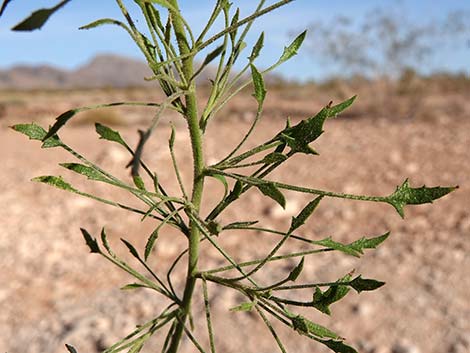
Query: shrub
x=171, y=51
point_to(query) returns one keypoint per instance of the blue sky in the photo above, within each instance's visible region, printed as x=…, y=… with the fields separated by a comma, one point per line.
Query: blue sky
x=60, y=42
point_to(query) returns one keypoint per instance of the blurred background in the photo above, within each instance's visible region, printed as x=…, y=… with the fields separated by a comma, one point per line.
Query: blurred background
x=408, y=61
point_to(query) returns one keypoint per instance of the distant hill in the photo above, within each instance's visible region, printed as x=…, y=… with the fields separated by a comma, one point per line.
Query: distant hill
x=103, y=70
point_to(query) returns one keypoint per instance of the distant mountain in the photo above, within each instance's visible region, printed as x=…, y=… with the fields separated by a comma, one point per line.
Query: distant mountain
x=103, y=70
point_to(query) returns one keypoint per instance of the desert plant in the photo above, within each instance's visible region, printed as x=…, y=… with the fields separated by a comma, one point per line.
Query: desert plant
x=171, y=52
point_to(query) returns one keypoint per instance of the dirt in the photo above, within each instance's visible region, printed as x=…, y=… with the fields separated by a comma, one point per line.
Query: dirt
x=56, y=292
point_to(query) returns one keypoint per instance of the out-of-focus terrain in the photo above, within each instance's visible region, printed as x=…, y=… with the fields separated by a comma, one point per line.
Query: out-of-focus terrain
x=54, y=291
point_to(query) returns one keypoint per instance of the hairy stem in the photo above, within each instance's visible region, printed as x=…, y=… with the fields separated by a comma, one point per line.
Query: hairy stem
x=191, y=115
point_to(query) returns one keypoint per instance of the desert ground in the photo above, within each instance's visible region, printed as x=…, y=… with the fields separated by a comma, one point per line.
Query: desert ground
x=55, y=292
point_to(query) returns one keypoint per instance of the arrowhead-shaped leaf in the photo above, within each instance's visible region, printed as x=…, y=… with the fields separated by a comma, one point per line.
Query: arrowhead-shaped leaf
x=90, y=241
x=363, y=284
x=368, y=243
x=355, y=248
x=299, y=137
x=406, y=195
x=36, y=132
x=331, y=244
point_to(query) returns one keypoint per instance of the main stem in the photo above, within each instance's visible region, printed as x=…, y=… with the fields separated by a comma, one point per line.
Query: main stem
x=192, y=118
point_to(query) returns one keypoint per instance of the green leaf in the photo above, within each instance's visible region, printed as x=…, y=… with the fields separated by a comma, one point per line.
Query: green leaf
x=257, y=48
x=338, y=108
x=331, y=244
x=36, y=132
x=139, y=182
x=132, y=286
x=368, y=243
x=295, y=273
x=299, y=137
x=89, y=172
x=322, y=300
x=61, y=120
x=171, y=141
x=151, y=242
x=304, y=326
x=58, y=182
x=70, y=348
x=101, y=22
x=90, y=241
x=247, y=306
x=235, y=18
x=273, y=192
x=363, y=284
x=37, y=19
x=406, y=195
x=292, y=49
x=240, y=225
x=258, y=83
x=109, y=134
x=274, y=157
x=212, y=55
x=338, y=346
x=131, y=248
x=355, y=248
x=104, y=240
x=304, y=214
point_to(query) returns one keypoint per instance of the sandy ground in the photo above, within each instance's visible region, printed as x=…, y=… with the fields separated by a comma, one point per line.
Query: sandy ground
x=55, y=292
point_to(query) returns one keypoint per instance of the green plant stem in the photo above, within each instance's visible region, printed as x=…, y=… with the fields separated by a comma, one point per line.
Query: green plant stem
x=244, y=21
x=191, y=115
